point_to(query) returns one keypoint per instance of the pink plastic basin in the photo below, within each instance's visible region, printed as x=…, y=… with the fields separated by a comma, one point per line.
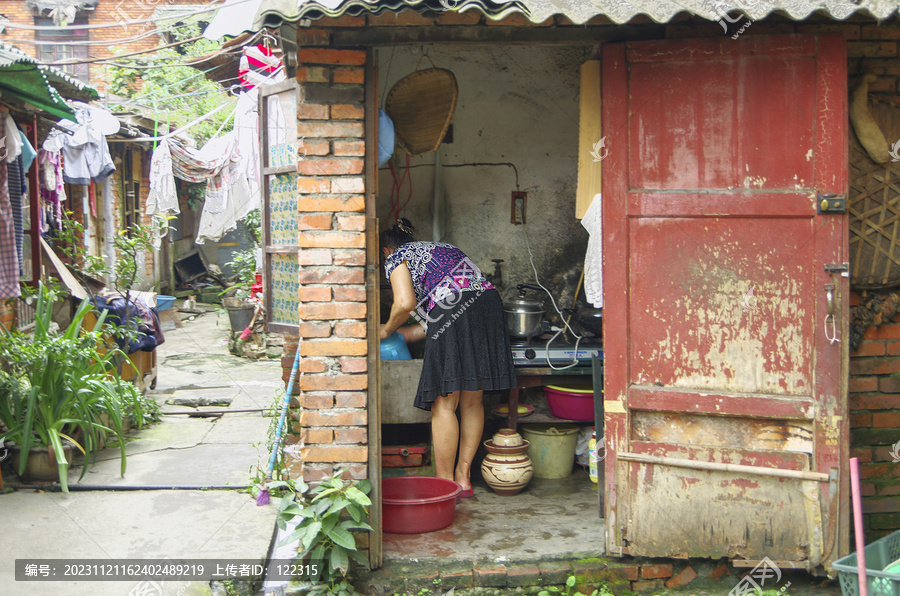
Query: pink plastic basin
x=570, y=403
x=417, y=504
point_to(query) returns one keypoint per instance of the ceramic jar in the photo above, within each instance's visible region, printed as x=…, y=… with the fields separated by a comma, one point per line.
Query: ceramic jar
x=506, y=468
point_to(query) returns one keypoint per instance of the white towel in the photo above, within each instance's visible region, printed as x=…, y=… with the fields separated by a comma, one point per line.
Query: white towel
x=593, y=258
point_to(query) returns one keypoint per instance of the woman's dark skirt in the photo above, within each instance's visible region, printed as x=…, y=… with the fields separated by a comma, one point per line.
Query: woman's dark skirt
x=466, y=347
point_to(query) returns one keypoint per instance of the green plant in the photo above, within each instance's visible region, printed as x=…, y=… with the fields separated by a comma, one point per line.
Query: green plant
x=570, y=589
x=243, y=264
x=280, y=483
x=59, y=386
x=327, y=514
x=176, y=92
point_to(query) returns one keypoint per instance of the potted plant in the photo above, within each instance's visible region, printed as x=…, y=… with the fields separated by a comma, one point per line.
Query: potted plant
x=327, y=515
x=58, y=387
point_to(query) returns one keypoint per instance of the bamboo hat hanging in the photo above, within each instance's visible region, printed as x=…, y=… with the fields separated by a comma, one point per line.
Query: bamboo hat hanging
x=421, y=105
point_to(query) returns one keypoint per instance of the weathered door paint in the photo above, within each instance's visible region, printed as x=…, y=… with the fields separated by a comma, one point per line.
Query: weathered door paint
x=716, y=340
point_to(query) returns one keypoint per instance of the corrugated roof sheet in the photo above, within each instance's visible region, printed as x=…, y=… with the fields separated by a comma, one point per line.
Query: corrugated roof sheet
x=232, y=19
x=42, y=86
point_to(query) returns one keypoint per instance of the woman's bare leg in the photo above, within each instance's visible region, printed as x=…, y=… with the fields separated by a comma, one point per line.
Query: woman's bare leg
x=445, y=434
x=471, y=411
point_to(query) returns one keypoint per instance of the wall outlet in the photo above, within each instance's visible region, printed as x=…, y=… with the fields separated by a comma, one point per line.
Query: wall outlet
x=518, y=207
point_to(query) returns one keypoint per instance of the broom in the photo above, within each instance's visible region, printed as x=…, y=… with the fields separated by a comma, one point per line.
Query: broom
x=246, y=333
x=263, y=497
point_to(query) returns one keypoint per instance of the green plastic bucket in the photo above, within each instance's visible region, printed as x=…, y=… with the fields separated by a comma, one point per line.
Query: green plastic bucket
x=551, y=448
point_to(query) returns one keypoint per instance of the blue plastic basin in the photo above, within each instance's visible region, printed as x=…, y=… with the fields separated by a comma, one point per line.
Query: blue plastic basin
x=164, y=302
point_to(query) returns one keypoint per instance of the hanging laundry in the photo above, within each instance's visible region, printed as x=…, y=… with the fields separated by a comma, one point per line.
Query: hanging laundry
x=16, y=186
x=92, y=200
x=246, y=127
x=593, y=259
x=28, y=152
x=9, y=262
x=11, y=141
x=162, y=198
x=85, y=151
x=259, y=64
x=218, y=163
x=51, y=182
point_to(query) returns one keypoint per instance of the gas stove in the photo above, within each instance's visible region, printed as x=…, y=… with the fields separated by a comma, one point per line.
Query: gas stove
x=534, y=352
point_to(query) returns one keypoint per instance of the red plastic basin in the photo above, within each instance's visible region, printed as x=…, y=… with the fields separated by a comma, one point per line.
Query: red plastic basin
x=417, y=504
x=570, y=403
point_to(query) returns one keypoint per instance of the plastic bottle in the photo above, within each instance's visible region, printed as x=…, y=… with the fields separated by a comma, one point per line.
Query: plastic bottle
x=592, y=455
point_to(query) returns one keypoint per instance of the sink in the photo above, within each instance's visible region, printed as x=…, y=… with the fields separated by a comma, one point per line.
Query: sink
x=399, y=381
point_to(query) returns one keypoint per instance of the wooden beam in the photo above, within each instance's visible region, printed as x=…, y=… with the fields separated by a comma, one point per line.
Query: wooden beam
x=374, y=36
x=589, y=133
x=373, y=315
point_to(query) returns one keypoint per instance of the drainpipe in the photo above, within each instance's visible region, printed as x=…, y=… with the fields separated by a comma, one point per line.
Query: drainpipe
x=109, y=227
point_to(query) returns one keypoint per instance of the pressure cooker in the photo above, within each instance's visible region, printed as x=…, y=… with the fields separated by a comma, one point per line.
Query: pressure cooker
x=524, y=316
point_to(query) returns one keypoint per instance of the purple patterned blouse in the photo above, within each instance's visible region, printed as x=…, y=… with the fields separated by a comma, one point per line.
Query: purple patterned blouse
x=438, y=270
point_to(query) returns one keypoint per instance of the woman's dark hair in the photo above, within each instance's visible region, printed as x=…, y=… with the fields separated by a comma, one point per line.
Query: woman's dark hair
x=400, y=234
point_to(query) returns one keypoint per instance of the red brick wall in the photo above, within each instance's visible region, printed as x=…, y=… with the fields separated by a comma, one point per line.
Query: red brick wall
x=875, y=424
x=8, y=314
x=332, y=388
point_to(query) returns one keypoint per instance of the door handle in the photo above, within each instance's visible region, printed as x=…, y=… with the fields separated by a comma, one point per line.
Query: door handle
x=829, y=317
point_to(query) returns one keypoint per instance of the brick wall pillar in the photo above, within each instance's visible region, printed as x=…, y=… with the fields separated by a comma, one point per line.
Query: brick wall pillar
x=875, y=424
x=332, y=389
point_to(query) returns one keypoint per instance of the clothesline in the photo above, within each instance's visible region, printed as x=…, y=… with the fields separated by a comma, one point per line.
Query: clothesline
x=188, y=125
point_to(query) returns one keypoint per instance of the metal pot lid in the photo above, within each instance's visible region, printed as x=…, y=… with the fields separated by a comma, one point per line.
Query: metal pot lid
x=524, y=306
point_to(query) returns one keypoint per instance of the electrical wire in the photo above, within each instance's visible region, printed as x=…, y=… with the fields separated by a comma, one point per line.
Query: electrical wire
x=186, y=126
x=153, y=93
x=468, y=165
x=99, y=42
x=211, y=7
x=92, y=60
x=559, y=312
x=111, y=61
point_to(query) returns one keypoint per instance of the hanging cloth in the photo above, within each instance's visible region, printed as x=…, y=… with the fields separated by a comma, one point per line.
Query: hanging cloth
x=16, y=186
x=85, y=151
x=258, y=64
x=162, y=198
x=9, y=261
x=51, y=181
x=28, y=152
x=593, y=259
x=12, y=143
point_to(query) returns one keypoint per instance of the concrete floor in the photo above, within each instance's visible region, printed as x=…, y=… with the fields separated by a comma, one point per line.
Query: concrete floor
x=105, y=518
x=549, y=519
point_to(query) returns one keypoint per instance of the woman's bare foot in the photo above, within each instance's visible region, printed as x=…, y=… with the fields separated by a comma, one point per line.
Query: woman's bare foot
x=462, y=476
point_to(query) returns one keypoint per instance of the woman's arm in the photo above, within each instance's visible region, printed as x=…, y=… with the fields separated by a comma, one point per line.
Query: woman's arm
x=404, y=299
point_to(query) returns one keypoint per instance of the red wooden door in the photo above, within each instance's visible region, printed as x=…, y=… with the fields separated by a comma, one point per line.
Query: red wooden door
x=717, y=334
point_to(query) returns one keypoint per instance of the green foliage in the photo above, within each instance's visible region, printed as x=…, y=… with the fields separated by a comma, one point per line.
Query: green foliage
x=128, y=243
x=570, y=589
x=177, y=93
x=280, y=483
x=327, y=514
x=59, y=386
x=253, y=221
x=243, y=264
x=69, y=245
x=195, y=193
